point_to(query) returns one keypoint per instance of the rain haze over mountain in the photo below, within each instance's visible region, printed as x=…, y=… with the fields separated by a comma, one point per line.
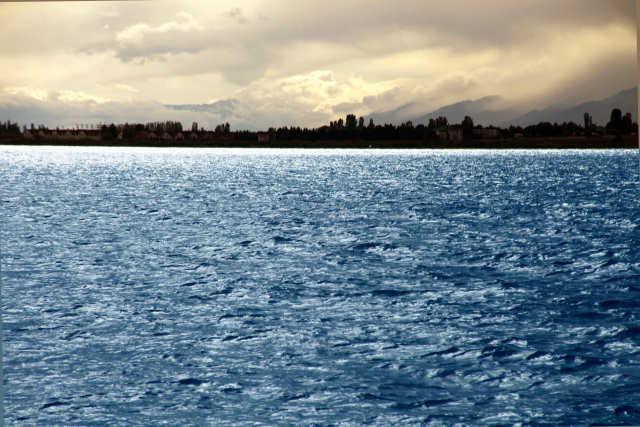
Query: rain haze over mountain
x=259, y=64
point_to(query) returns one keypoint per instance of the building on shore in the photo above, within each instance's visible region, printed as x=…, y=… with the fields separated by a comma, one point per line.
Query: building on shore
x=450, y=134
x=179, y=136
x=486, y=133
x=176, y=135
x=64, y=134
x=96, y=135
x=266, y=136
x=203, y=134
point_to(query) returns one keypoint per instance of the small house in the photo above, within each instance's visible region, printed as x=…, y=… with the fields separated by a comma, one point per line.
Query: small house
x=486, y=133
x=450, y=134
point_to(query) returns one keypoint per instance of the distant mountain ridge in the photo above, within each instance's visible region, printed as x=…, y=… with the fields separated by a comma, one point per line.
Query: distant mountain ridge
x=489, y=110
x=455, y=113
x=225, y=109
x=495, y=110
x=240, y=114
x=404, y=112
x=600, y=111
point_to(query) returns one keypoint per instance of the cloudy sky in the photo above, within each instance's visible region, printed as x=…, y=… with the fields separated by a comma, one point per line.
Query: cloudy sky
x=304, y=62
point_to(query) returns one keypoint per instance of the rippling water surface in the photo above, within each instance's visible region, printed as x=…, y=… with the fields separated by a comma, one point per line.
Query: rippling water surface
x=193, y=287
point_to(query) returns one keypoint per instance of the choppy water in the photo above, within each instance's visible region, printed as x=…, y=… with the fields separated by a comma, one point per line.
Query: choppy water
x=190, y=287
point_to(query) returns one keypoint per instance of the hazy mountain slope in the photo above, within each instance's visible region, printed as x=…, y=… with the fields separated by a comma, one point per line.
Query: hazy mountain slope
x=408, y=111
x=455, y=113
x=496, y=117
x=225, y=109
x=240, y=114
x=489, y=110
x=531, y=117
x=399, y=115
x=626, y=100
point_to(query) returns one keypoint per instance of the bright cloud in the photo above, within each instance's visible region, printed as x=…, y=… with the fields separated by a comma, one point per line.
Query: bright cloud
x=319, y=93
x=136, y=33
x=71, y=96
x=39, y=94
x=126, y=87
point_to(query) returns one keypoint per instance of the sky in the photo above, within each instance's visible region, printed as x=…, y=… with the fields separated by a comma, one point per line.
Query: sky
x=304, y=63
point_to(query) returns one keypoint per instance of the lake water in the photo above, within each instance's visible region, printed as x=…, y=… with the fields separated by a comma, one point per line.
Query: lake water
x=201, y=287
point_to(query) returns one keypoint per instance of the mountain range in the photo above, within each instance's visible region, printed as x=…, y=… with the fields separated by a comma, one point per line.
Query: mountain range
x=495, y=110
x=600, y=111
x=228, y=108
x=489, y=110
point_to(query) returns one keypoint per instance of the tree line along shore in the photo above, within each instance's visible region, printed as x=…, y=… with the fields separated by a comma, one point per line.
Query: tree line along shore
x=620, y=132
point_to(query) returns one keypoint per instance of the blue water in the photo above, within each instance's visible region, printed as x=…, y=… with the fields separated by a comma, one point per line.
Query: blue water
x=196, y=287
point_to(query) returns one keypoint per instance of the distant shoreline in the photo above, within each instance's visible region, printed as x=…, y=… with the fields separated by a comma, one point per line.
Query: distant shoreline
x=592, y=142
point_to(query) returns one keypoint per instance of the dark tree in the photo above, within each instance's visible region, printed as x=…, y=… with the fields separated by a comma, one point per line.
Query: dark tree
x=440, y=121
x=371, y=126
x=587, y=121
x=572, y=128
x=616, y=118
x=351, y=122
x=542, y=129
x=625, y=124
x=10, y=127
x=616, y=115
x=225, y=128
x=113, y=130
x=361, y=122
x=109, y=133
x=467, y=126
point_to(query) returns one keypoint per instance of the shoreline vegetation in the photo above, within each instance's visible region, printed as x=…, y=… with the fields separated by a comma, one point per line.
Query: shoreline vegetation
x=619, y=132
x=574, y=142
